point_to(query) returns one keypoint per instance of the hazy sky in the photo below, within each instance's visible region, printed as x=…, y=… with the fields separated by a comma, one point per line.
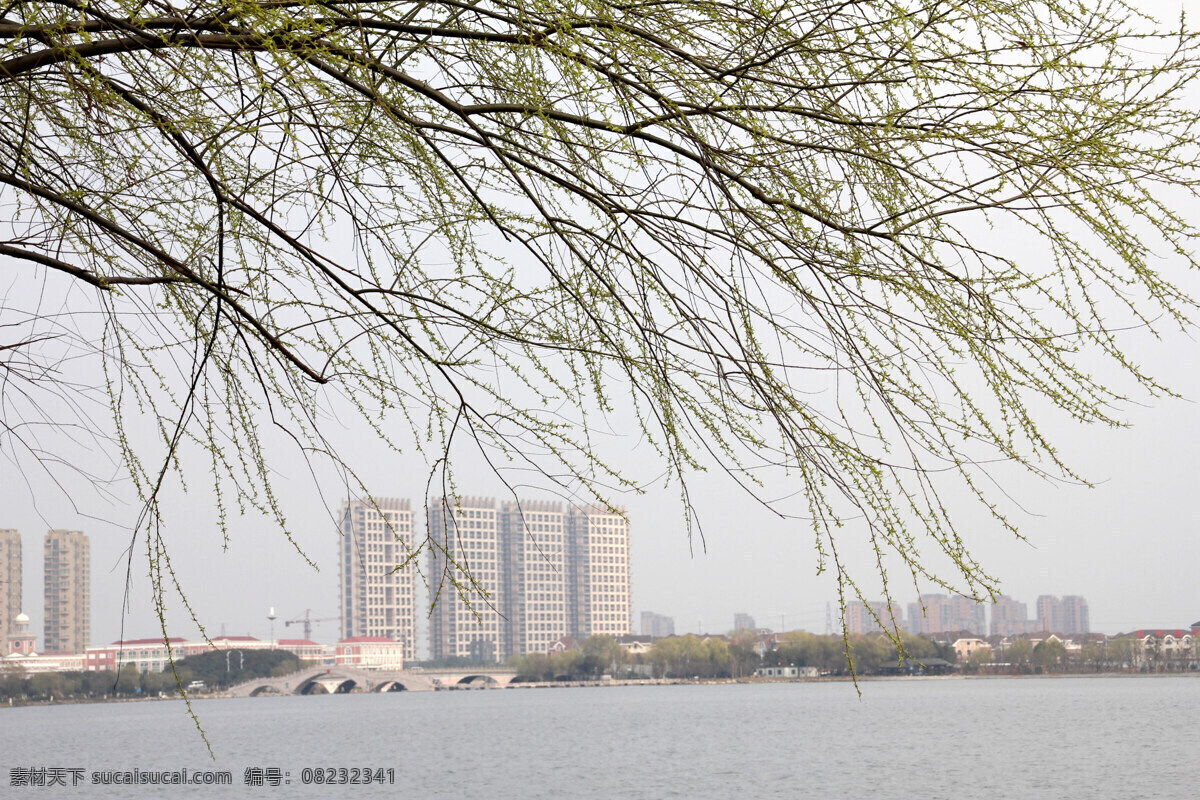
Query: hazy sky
x=1130, y=545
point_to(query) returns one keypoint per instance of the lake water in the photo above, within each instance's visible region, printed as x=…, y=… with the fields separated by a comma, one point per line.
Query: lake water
x=1078, y=737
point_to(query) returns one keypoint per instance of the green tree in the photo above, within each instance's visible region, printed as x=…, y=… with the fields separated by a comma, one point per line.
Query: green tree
x=785, y=228
x=1049, y=654
x=744, y=652
x=1019, y=653
x=978, y=659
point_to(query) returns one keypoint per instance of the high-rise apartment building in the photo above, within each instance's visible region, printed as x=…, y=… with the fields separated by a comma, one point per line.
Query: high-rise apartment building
x=937, y=613
x=861, y=617
x=534, y=585
x=540, y=572
x=68, y=592
x=598, y=573
x=743, y=622
x=657, y=625
x=377, y=595
x=10, y=584
x=1049, y=614
x=1068, y=615
x=1011, y=618
x=1076, y=617
x=470, y=569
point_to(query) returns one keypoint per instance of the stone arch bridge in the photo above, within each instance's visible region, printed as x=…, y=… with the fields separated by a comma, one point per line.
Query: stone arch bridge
x=343, y=680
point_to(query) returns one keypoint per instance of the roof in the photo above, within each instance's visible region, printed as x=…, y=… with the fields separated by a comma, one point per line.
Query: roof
x=368, y=640
x=299, y=642
x=152, y=640
x=235, y=639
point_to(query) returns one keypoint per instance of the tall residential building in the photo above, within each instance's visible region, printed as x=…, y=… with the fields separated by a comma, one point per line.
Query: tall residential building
x=1049, y=614
x=598, y=574
x=68, y=592
x=743, y=622
x=937, y=613
x=1068, y=615
x=540, y=572
x=10, y=584
x=657, y=625
x=1011, y=618
x=861, y=617
x=377, y=595
x=466, y=620
x=533, y=581
x=1076, y=617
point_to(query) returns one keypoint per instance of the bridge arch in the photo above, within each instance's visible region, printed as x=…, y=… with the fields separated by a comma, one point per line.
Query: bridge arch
x=324, y=684
x=477, y=680
x=390, y=686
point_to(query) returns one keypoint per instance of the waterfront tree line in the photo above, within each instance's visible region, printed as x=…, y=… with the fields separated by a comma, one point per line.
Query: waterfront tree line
x=210, y=668
x=734, y=656
x=741, y=653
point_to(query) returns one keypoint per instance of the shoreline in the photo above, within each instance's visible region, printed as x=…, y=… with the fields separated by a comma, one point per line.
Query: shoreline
x=633, y=682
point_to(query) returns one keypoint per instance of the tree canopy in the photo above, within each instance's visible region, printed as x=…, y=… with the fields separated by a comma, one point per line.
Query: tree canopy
x=866, y=244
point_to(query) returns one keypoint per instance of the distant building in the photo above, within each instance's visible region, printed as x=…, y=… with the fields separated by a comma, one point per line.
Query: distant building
x=936, y=613
x=743, y=622
x=657, y=625
x=1010, y=617
x=19, y=641
x=23, y=657
x=153, y=655
x=598, y=573
x=965, y=648
x=141, y=655
x=369, y=652
x=861, y=618
x=67, y=592
x=542, y=571
x=467, y=620
x=377, y=596
x=10, y=585
x=1076, y=617
x=1068, y=615
x=533, y=572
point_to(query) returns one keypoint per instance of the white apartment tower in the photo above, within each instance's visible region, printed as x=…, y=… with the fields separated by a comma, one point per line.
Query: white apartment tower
x=466, y=619
x=10, y=584
x=535, y=604
x=377, y=595
x=541, y=571
x=599, y=586
x=67, y=592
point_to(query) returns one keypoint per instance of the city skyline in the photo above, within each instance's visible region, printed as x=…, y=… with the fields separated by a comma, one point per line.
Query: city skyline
x=1006, y=617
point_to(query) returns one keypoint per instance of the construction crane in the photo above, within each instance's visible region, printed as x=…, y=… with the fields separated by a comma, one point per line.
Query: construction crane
x=308, y=622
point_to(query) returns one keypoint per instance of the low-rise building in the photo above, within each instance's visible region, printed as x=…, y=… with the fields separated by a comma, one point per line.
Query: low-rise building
x=370, y=652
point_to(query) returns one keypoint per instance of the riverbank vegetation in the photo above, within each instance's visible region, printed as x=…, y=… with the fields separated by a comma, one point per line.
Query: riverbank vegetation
x=742, y=653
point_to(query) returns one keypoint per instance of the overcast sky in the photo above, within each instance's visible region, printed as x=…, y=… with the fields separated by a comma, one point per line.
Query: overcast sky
x=1129, y=546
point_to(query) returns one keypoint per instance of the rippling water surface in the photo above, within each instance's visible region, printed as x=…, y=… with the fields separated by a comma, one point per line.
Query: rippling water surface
x=1100, y=737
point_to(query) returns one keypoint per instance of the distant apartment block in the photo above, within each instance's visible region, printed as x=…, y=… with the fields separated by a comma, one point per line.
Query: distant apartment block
x=657, y=625
x=743, y=622
x=10, y=585
x=67, y=592
x=1011, y=618
x=861, y=618
x=1068, y=616
x=541, y=571
x=534, y=576
x=466, y=621
x=936, y=613
x=377, y=596
x=598, y=574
